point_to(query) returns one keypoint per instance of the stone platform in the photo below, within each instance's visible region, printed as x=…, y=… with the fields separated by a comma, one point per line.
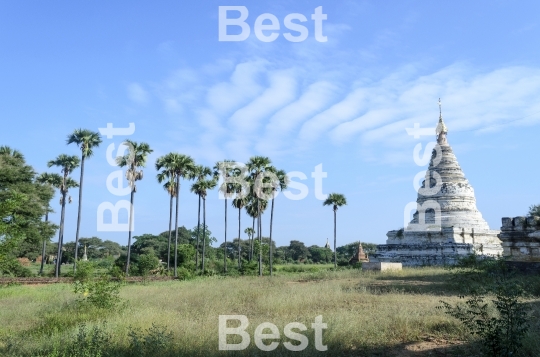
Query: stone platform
x=381, y=266
x=424, y=254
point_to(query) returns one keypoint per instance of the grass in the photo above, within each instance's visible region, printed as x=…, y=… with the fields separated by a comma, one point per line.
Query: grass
x=368, y=313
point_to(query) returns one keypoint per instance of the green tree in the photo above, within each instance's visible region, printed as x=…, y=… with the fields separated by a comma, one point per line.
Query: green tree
x=298, y=250
x=52, y=181
x=239, y=202
x=335, y=200
x=201, y=188
x=279, y=182
x=260, y=168
x=534, y=210
x=147, y=262
x=67, y=164
x=225, y=169
x=10, y=232
x=199, y=173
x=167, y=175
x=87, y=141
x=181, y=166
x=133, y=161
x=19, y=178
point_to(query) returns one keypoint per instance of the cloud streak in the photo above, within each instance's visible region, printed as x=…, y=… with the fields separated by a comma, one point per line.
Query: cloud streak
x=263, y=107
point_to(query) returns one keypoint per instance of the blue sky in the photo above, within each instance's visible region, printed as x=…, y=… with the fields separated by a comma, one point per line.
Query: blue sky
x=344, y=103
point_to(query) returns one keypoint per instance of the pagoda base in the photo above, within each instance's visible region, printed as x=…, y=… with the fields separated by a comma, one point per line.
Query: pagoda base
x=427, y=254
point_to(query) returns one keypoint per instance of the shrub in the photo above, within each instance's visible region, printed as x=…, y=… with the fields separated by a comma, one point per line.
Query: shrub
x=146, y=263
x=101, y=293
x=183, y=273
x=501, y=323
x=12, y=267
x=85, y=270
x=152, y=343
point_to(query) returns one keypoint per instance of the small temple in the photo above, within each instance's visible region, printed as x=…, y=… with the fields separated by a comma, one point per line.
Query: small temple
x=360, y=255
x=447, y=224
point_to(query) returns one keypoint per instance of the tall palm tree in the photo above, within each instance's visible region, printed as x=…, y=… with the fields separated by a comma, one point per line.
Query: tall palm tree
x=258, y=167
x=335, y=200
x=201, y=187
x=251, y=211
x=67, y=164
x=239, y=202
x=280, y=183
x=133, y=160
x=170, y=187
x=53, y=181
x=250, y=231
x=255, y=207
x=181, y=166
x=225, y=169
x=199, y=173
x=165, y=163
x=87, y=141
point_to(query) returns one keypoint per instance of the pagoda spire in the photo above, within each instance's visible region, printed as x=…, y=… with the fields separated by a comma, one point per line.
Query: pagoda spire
x=441, y=129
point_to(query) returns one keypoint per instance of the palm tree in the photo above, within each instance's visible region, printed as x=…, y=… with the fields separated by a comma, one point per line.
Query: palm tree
x=250, y=231
x=281, y=183
x=239, y=202
x=53, y=181
x=200, y=172
x=179, y=166
x=13, y=153
x=225, y=169
x=170, y=187
x=251, y=211
x=259, y=166
x=86, y=140
x=68, y=164
x=133, y=161
x=201, y=188
x=336, y=200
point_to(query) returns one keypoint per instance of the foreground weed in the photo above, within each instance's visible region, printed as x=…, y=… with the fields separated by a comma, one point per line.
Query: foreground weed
x=156, y=340
x=102, y=293
x=501, y=323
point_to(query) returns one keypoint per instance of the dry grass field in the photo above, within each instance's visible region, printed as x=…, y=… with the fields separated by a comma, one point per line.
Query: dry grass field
x=368, y=314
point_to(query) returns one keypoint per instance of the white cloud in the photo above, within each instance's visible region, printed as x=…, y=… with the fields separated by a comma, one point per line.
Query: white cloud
x=137, y=93
x=263, y=107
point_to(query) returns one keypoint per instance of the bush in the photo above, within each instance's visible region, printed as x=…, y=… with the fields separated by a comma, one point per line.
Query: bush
x=153, y=343
x=500, y=323
x=85, y=270
x=146, y=263
x=12, y=267
x=101, y=293
x=183, y=273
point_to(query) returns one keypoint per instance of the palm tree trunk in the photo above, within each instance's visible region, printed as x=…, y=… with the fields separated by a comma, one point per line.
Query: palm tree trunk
x=198, y=231
x=170, y=234
x=204, y=233
x=239, y=225
x=252, y=236
x=176, y=227
x=260, y=236
x=270, y=249
x=78, y=216
x=60, y=237
x=335, y=251
x=43, y=249
x=130, y=229
x=225, y=252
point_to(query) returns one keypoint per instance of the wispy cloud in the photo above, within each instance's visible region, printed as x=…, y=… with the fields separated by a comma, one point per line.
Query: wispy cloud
x=137, y=93
x=262, y=106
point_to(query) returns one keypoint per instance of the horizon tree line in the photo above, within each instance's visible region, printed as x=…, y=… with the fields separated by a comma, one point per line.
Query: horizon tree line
x=250, y=187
